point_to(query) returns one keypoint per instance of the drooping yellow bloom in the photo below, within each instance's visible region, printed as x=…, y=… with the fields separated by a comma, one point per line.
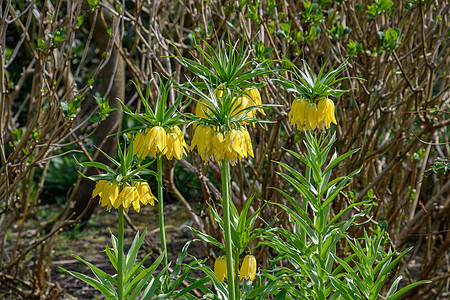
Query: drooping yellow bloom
x=160, y=141
x=176, y=146
x=145, y=195
x=151, y=141
x=311, y=116
x=254, y=98
x=325, y=110
x=297, y=113
x=248, y=143
x=202, y=139
x=239, y=104
x=201, y=109
x=248, y=268
x=231, y=147
x=130, y=195
x=108, y=191
x=155, y=140
x=220, y=268
x=139, y=145
x=304, y=114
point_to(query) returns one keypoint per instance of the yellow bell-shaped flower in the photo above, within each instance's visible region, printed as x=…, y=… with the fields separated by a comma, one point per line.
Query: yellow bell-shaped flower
x=248, y=268
x=325, y=110
x=311, y=116
x=159, y=141
x=145, y=195
x=220, y=268
x=297, y=113
x=156, y=141
x=219, y=146
x=139, y=145
x=108, y=191
x=254, y=98
x=202, y=139
x=248, y=142
x=176, y=146
x=128, y=195
x=231, y=147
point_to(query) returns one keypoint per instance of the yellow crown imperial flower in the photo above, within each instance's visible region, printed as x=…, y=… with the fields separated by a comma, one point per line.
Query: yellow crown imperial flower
x=248, y=268
x=220, y=268
x=158, y=140
x=297, y=113
x=109, y=194
x=311, y=116
x=313, y=108
x=128, y=195
x=108, y=191
x=239, y=104
x=176, y=146
x=139, y=145
x=254, y=98
x=145, y=195
x=325, y=110
x=304, y=114
x=151, y=141
x=219, y=145
x=231, y=147
x=202, y=139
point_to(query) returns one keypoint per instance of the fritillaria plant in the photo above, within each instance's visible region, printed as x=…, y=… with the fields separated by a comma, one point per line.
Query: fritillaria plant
x=121, y=188
x=159, y=135
x=227, y=101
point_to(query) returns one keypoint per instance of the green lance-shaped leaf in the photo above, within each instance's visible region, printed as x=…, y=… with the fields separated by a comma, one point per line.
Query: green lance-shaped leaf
x=207, y=238
x=92, y=282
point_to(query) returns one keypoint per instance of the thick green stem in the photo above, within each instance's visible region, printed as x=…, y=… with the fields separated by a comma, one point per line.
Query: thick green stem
x=120, y=256
x=226, y=196
x=162, y=231
x=305, y=204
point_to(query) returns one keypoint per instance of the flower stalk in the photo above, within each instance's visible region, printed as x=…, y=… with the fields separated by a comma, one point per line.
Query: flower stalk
x=226, y=196
x=120, y=270
x=162, y=230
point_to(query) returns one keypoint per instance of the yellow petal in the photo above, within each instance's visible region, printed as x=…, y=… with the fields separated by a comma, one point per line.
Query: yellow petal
x=254, y=98
x=139, y=145
x=218, y=142
x=99, y=187
x=161, y=141
x=248, y=142
x=201, y=108
x=311, y=116
x=111, y=194
x=248, y=268
x=220, y=268
x=170, y=145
